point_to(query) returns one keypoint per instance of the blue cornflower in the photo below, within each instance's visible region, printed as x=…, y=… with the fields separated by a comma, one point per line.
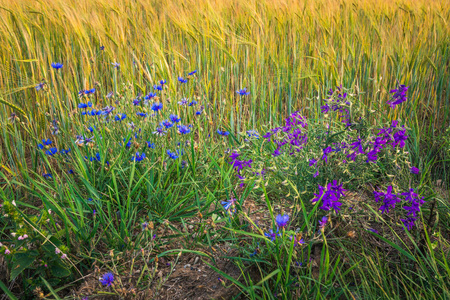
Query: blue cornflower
x=282, y=220
x=222, y=132
x=166, y=123
x=91, y=91
x=151, y=145
x=159, y=131
x=157, y=106
x=183, y=101
x=85, y=105
x=102, y=47
x=272, y=235
x=120, y=117
x=109, y=95
x=51, y=151
x=297, y=240
x=94, y=158
x=174, y=118
x=162, y=82
x=107, y=279
x=172, y=155
x=91, y=129
x=57, y=65
x=182, y=80
x=158, y=87
x=115, y=65
x=89, y=140
x=128, y=143
x=63, y=151
x=193, y=103
x=192, y=73
x=183, y=129
x=40, y=86
x=253, y=133
x=136, y=101
x=47, y=176
x=243, y=92
x=138, y=157
x=227, y=204
x=141, y=114
x=44, y=143
x=150, y=96
x=199, y=112
x=71, y=172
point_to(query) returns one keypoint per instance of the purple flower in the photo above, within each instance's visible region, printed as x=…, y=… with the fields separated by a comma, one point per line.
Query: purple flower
x=326, y=151
x=399, y=95
x=408, y=222
x=297, y=241
x=107, y=279
x=312, y=162
x=323, y=222
x=272, y=235
x=415, y=170
x=192, y=73
x=373, y=230
x=282, y=220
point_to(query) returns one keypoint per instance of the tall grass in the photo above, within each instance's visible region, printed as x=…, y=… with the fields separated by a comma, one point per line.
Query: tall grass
x=287, y=52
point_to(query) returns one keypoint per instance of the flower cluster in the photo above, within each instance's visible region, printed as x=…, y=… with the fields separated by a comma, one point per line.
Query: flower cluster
x=239, y=165
x=389, y=200
x=292, y=134
x=337, y=102
x=330, y=196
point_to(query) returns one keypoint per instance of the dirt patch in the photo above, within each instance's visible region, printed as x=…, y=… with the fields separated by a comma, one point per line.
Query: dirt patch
x=185, y=276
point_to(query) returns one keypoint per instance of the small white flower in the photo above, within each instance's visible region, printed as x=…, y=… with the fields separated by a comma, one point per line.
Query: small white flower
x=14, y=203
x=49, y=211
x=13, y=234
x=64, y=256
x=57, y=251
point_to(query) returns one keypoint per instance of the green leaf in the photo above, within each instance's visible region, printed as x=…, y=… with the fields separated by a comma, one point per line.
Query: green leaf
x=21, y=262
x=59, y=270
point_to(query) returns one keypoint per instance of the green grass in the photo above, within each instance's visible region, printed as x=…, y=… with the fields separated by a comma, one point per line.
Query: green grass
x=288, y=54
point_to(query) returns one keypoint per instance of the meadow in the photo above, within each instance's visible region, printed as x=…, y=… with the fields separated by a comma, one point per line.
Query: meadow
x=224, y=149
